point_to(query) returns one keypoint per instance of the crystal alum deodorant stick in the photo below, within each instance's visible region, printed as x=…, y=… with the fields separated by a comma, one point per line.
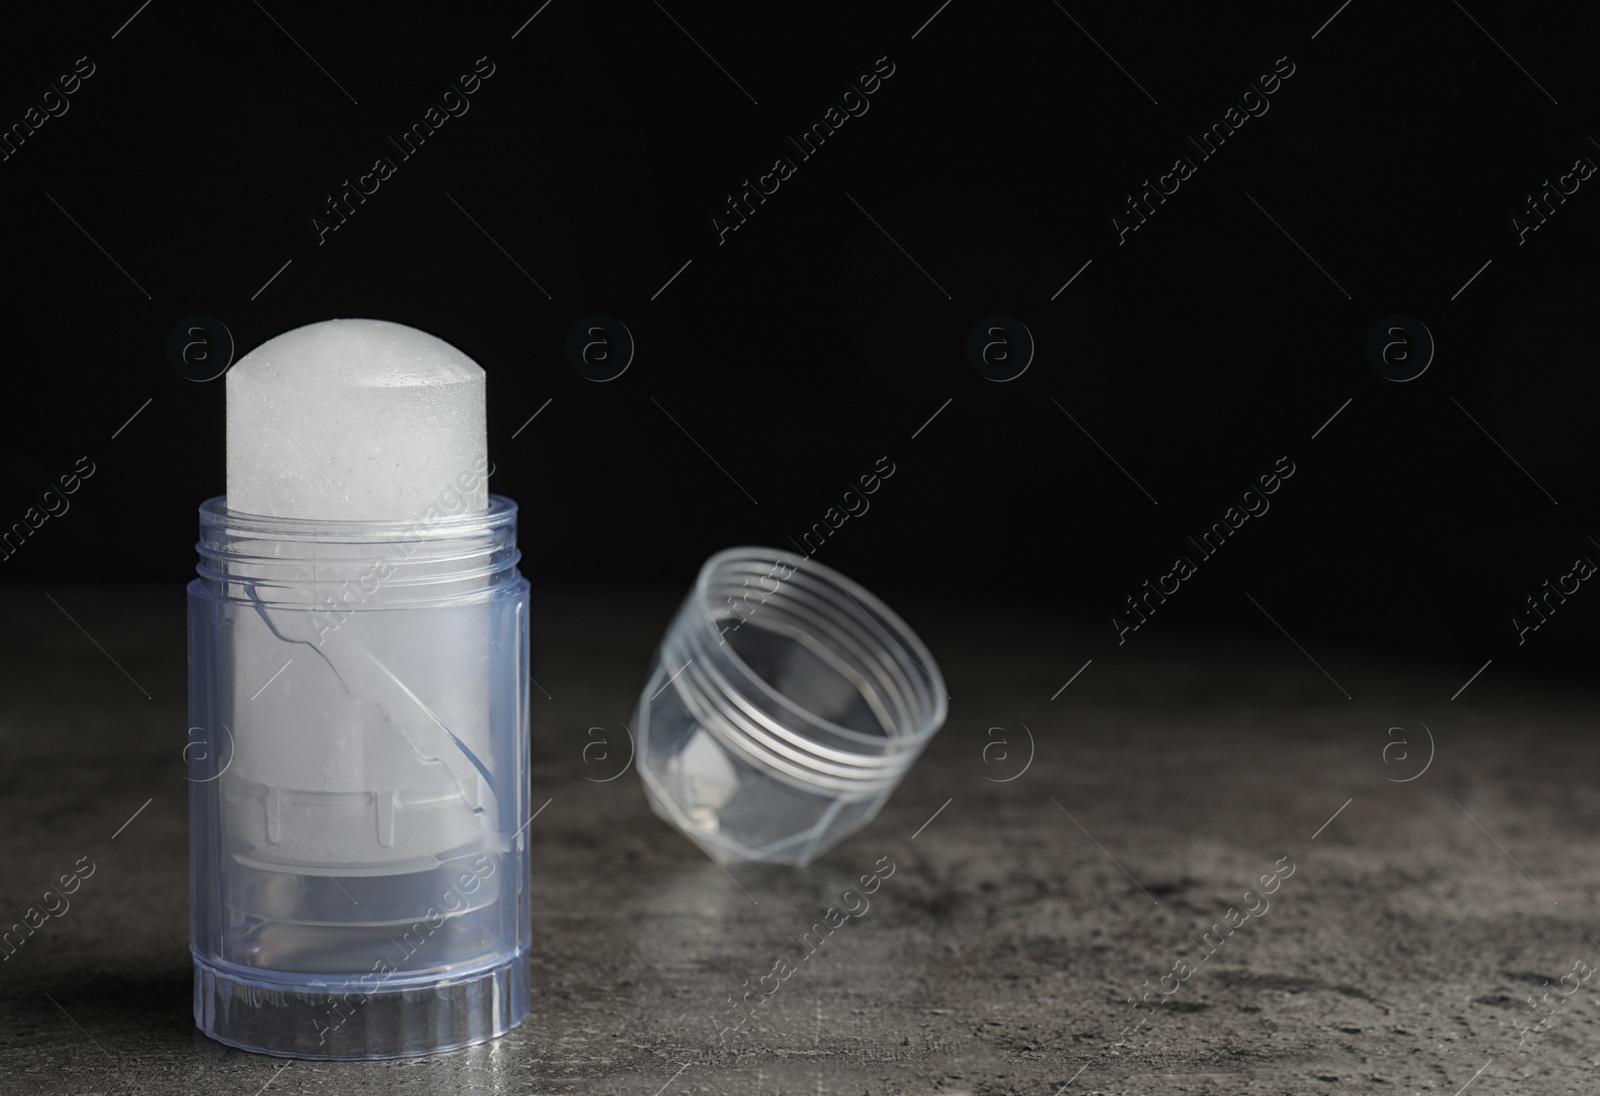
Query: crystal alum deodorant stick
x=358, y=662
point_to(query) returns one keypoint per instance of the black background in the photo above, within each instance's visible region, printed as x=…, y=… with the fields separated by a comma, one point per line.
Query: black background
x=808, y=345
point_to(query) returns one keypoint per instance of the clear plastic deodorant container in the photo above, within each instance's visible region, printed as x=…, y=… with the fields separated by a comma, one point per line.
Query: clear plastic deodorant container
x=359, y=861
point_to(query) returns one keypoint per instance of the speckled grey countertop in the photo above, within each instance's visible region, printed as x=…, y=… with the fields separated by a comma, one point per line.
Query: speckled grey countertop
x=1415, y=911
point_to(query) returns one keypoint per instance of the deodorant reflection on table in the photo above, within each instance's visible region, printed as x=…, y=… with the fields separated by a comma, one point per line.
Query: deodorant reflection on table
x=358, y=661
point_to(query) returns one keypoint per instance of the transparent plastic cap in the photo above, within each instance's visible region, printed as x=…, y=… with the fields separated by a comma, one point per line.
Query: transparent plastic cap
x=784, y=706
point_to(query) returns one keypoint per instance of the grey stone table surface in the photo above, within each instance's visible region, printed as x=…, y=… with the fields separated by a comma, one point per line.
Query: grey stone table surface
x=1430, y=885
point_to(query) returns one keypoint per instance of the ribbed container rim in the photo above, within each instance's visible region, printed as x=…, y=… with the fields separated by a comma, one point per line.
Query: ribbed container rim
x=450, y=557
x=214, y=513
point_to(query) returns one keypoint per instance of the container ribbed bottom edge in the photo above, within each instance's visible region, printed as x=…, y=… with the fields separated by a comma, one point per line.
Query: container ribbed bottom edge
x=347, y=1024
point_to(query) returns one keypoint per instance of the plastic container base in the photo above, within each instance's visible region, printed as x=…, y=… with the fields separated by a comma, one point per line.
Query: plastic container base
x=253, y=1013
